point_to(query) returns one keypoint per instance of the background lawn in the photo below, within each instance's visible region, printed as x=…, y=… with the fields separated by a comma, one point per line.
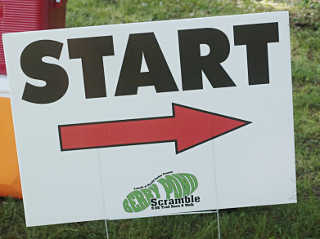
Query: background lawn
x=300, y=220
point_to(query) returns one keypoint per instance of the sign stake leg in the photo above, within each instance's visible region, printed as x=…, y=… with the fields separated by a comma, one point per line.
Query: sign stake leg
x=107, y=231
x=218, y=224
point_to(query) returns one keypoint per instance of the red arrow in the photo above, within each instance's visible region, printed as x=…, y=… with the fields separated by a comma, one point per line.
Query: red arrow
x=188, y=127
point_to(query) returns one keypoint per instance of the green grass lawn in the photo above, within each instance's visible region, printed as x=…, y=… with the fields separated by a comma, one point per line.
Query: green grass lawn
x=301, y=220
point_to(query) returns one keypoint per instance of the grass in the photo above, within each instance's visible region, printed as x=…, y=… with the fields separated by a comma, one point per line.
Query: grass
x=295, y=221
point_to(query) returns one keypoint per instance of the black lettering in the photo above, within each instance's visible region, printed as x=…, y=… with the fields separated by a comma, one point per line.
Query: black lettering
x=153, y=202
x=187, y=199
x=91, y=50
x=131, y=77
x=55, y=76
x=192, y=63
x=256, y=37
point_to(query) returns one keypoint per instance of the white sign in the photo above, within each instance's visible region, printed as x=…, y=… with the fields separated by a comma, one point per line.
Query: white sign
x=154, y=118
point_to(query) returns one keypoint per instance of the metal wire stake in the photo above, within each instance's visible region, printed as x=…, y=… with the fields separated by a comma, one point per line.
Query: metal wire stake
x=106, y=226
x=218, y=222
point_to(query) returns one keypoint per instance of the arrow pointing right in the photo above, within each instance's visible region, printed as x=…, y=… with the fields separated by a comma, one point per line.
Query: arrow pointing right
x=188, y=127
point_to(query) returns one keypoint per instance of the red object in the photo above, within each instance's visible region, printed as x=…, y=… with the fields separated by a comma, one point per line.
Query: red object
x=187, y=127
x=29, y=15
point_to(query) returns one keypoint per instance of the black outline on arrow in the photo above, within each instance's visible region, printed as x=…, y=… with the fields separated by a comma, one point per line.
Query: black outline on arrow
x=155, y=142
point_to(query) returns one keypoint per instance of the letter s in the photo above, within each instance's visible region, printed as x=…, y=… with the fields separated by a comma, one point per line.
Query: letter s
x=55, y=76
x=153, y=202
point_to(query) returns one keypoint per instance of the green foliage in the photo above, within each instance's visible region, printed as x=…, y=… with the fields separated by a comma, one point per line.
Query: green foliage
x=305, y=65
x=98, y=12
x=307, y=14
x=294, y=221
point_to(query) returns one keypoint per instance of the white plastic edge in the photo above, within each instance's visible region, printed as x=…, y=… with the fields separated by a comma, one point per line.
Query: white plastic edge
x=4, y=86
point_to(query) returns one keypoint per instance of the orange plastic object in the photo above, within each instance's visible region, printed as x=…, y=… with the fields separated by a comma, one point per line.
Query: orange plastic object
x=9, y=171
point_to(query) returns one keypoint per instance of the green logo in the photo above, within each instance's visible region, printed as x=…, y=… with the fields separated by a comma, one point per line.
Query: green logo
x=178, y=188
